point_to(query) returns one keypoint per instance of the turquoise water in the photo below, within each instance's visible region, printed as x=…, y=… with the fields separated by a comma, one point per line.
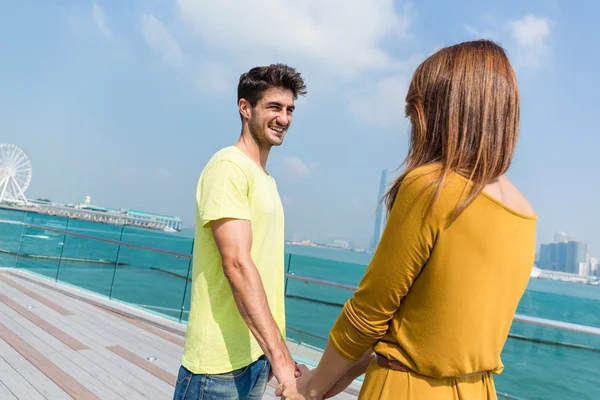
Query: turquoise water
x=532, y=370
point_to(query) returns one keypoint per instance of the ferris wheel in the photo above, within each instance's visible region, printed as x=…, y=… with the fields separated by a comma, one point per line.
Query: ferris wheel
x=15, y=173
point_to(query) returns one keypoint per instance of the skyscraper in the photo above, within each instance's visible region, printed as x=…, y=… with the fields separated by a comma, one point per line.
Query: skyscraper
x=576, y=254
x=381, y=215
x=560, y=237
x=564, y=255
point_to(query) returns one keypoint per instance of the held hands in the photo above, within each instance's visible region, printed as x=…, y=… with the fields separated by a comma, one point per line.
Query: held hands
x=296, y=389
x=297, y=373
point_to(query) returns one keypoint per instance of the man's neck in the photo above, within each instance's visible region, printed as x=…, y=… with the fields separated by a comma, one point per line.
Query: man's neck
x=257, y=153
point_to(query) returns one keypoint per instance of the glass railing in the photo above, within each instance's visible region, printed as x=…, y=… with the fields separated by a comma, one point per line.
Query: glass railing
x=553, y=350
x=113, y=261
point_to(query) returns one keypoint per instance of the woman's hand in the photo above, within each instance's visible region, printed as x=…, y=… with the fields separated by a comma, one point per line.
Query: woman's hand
x=297, y=389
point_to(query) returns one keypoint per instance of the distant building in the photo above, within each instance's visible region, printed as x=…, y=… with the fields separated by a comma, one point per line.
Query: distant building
x=585, y=269
x=553, y=257
x=576, y=254
x=594, y=267
x=123, y=216
x=381, y=216
x=564, y=255
x=560, y=237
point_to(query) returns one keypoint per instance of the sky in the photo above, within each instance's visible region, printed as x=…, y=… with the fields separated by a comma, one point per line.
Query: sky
x=127, y=101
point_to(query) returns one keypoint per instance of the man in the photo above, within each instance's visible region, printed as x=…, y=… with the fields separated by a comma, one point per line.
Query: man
x=235, y=334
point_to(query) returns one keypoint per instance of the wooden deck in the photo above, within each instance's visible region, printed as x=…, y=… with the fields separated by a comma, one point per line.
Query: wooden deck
x=59, y=342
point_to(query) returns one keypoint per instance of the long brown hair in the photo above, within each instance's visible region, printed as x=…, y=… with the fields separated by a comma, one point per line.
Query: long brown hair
x=463, y=106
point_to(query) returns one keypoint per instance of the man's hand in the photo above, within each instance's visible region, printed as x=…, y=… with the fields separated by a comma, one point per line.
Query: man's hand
x=287, y=375
x=297, y=389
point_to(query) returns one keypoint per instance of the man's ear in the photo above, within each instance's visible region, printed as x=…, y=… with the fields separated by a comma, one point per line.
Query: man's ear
x=245, y=108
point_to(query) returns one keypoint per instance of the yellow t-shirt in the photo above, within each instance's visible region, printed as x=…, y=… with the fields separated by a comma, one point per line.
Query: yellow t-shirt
x=232, y=186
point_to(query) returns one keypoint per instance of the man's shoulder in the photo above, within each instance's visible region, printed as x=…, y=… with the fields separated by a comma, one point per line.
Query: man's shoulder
x=230, y=155
x=226, y=158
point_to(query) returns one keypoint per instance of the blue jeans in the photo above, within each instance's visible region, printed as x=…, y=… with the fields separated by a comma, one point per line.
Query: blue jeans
x=248, y=383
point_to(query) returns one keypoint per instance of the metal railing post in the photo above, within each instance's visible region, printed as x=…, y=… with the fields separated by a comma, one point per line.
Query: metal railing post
x=287, y=271
x=187, y=279
x=62, y=249
x=112, y=284
x=20, y=239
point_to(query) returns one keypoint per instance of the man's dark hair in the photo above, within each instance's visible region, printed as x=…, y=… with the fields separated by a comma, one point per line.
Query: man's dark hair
x=255, y=82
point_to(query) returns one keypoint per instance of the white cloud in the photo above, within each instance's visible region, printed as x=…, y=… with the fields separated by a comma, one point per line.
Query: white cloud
x=213, y=77
x=525, y=39
x=382, y=104
x=530, y=35
x=335, y=35
x=530, y=31
x=295, y=167
x=99, y=18
x=336, y=43
x=161, y=41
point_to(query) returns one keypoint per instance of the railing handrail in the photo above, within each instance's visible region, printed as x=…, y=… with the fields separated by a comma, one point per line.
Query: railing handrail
x=549, y=323
x=105, y=240
x=588, y=330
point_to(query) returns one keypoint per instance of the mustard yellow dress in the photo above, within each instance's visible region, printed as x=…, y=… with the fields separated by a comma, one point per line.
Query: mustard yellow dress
x=439, y=297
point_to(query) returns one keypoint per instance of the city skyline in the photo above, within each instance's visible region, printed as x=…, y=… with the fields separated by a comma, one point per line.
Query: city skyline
x=127, y=101
x=568, y=255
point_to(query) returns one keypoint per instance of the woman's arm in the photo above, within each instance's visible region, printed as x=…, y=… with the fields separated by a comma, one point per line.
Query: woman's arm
x=404, y=248
x=333, y=374
x=358, y=368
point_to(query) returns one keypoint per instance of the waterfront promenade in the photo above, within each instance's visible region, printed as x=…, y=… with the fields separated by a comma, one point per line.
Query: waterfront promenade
x=60, y=342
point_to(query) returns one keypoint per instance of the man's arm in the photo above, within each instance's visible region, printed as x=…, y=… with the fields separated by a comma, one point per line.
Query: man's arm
x=234, y=241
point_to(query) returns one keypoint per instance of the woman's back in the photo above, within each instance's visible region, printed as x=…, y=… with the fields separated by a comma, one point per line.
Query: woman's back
x=455, y=318
x=505, y=192
x=438, y=298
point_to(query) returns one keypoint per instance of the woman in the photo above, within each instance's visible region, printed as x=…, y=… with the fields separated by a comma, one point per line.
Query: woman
x=433, y=311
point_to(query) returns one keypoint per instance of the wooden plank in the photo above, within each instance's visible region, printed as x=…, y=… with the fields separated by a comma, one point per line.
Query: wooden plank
x=144, y=364
x=41, y=382
x=5, y=393
x=80, y=307
x=146, y=391
x=68, y=359
x=132, y=338
x=94, y=378
x=57, y=375
x=167, y=360
x=16, y=384
x=147, y=327
x=51, y=329
x=62, y=322
x=140, y=342
x=23, y=328
x=120, y=332
x=114, y=329
x=34, y=295
x=142, y=376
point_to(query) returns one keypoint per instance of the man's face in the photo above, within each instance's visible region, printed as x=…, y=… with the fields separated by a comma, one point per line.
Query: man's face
x=271, y=118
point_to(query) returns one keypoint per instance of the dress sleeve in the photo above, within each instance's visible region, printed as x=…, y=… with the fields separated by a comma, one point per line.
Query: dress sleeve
x=403, y=250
